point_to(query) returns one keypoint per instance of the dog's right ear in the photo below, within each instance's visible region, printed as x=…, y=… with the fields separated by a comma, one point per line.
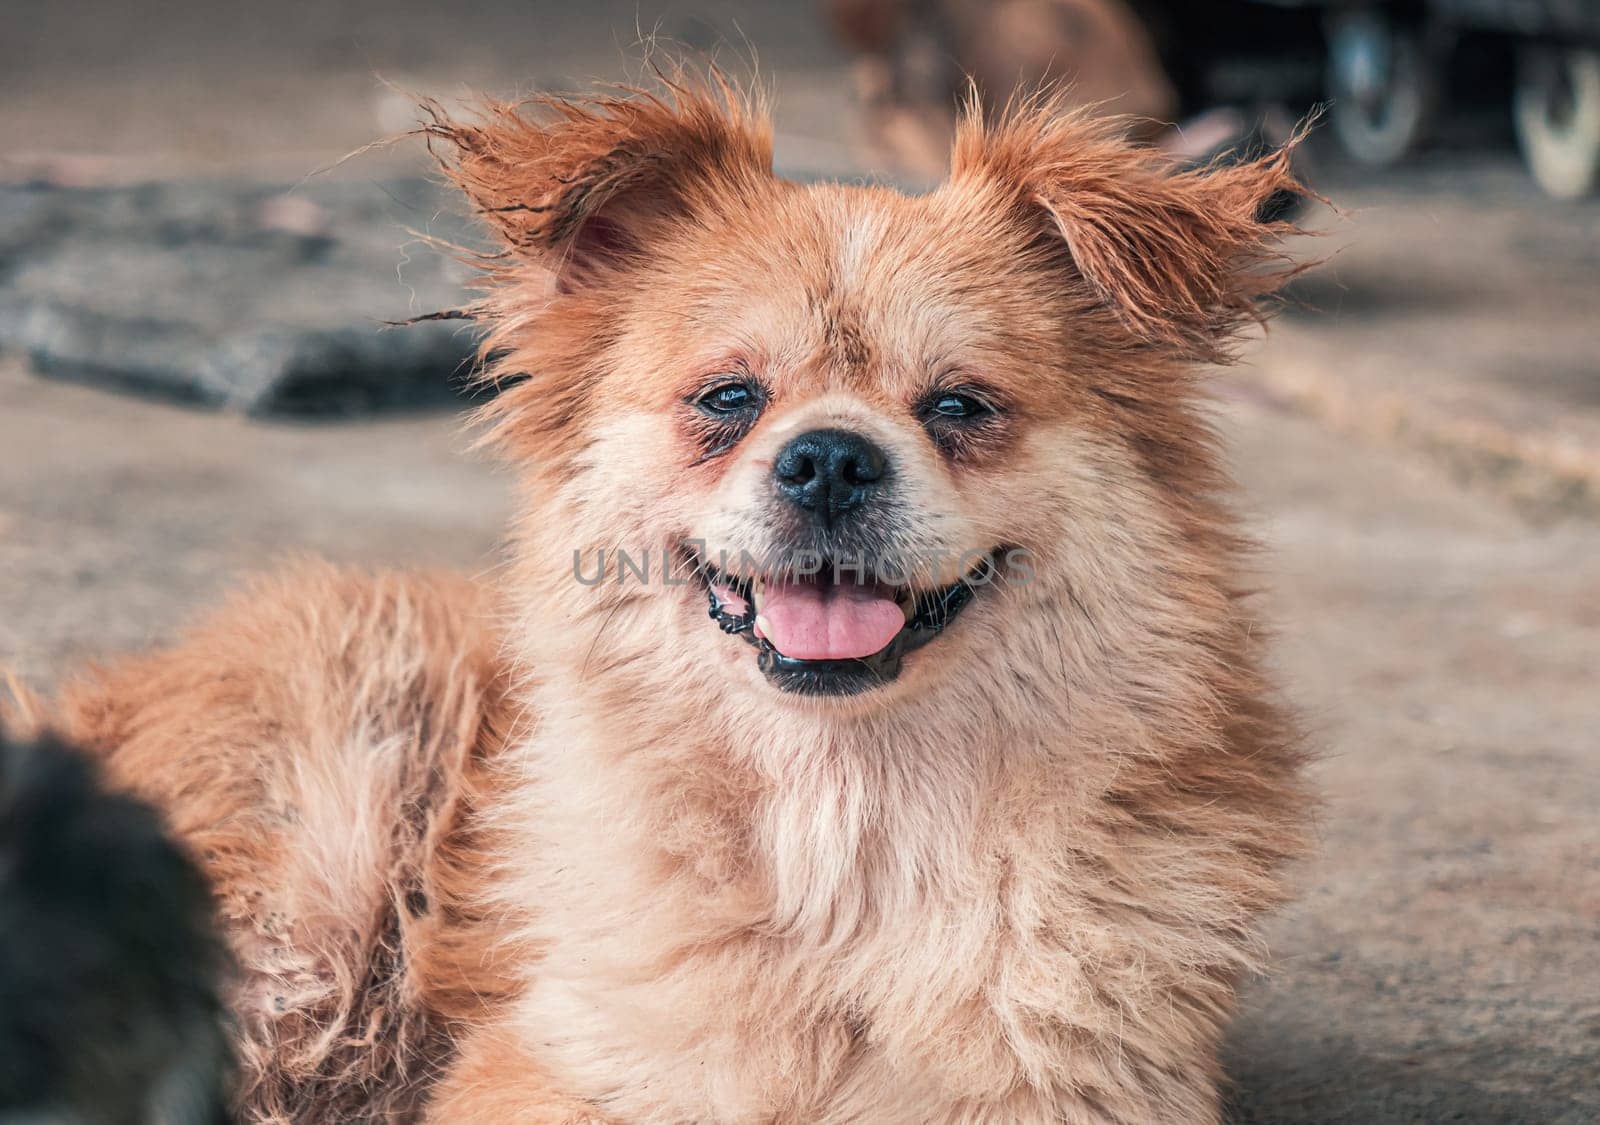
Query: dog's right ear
x=575, y=186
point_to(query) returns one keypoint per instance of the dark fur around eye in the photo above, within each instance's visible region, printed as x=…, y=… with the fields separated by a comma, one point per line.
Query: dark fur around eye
x=724, y=411
x=960, y=420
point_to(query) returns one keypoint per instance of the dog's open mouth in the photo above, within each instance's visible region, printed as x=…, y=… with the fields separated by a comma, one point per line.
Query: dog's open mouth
x=834, y=630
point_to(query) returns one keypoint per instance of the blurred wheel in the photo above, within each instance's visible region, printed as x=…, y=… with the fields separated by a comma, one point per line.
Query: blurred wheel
x=1557, y=108
x=1381, y=84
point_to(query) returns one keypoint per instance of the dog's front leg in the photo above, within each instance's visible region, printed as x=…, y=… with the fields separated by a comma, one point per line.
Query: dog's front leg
x=493, y=1079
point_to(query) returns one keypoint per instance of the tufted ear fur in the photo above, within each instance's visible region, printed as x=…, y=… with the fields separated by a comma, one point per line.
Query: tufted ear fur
x=575, y=186
x=1181, y=258
x=577, y=191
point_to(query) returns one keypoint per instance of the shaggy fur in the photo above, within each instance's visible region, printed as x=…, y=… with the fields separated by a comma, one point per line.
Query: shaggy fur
x=558, y=852
x=110, y=968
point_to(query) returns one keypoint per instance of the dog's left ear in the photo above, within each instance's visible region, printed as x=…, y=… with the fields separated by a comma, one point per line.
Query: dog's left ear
x=1182, y=258
x=576, y=185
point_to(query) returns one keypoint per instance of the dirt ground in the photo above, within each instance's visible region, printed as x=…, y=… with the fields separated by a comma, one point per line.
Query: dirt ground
x=1444, y=961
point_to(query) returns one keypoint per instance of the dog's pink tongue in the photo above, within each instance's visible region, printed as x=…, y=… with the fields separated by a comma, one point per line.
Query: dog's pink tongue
x=823, y=621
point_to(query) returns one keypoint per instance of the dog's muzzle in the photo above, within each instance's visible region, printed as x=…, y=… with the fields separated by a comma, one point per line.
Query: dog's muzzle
x=833, y=629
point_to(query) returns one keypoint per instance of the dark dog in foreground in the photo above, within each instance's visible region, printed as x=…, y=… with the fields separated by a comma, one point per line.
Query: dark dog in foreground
x=109, y=965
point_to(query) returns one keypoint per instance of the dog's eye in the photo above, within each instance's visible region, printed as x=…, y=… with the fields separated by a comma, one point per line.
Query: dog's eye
x=728, y=398
x=959, y=419
x=955, y=406
x=958, y=406
x=723, y=413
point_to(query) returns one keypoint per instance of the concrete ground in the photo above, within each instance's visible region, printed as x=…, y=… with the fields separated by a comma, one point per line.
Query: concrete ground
x=1455, y=316
x=1409, y=446
x=1444, y=964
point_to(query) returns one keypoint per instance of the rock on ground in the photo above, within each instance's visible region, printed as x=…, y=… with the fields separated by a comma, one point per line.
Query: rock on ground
x=252, y=298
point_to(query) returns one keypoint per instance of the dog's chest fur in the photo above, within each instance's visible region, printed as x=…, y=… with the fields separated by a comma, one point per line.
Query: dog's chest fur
x=884, y=916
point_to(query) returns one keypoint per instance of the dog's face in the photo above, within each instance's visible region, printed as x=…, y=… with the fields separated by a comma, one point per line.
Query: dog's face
x=839, y=443
x=838, y=424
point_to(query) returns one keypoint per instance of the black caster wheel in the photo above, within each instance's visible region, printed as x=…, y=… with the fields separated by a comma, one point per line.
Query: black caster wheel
x=1381, y=82
x=1557, y=112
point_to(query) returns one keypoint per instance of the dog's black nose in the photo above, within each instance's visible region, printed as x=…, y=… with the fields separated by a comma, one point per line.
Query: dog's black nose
x=828, y=472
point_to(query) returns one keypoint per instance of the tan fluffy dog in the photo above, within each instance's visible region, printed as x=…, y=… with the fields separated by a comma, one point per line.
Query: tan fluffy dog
x=563, y=851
